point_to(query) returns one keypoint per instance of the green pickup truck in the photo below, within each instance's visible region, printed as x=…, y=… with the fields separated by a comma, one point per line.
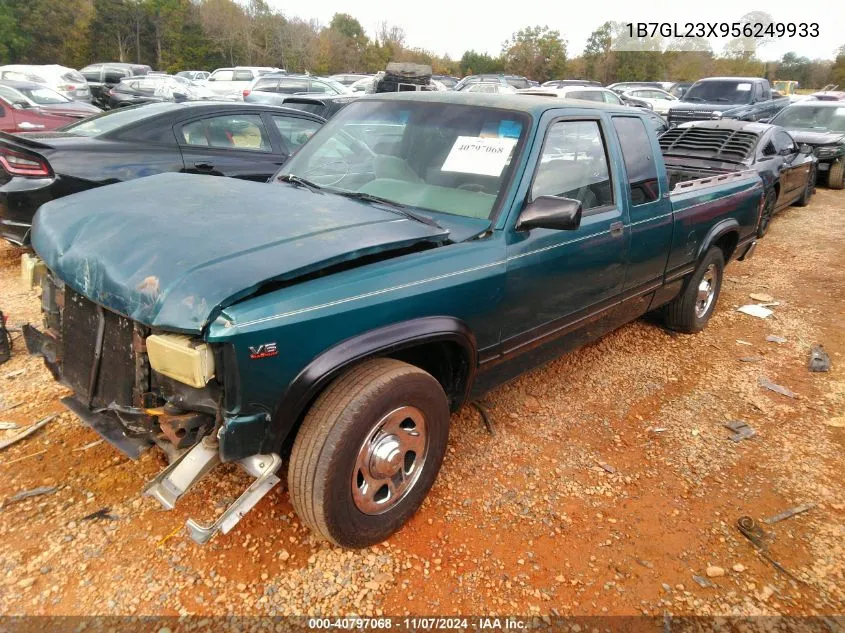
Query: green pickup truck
x=419, y=250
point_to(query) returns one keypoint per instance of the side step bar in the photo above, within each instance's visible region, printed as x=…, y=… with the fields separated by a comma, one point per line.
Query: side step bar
x=180, y=476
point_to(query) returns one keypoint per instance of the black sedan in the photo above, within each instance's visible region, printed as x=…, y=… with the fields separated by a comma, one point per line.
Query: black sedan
x=821, y=125
x=223, y=139
x=701, y=148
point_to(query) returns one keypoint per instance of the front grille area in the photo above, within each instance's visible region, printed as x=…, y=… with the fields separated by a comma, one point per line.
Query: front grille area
x=115, y=381
x=681, y=116
x=708, y=143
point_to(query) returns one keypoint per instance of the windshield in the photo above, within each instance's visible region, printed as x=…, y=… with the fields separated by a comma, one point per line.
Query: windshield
x=735, y=92
x=442, y=157
x=116, y=119
x=812, y=118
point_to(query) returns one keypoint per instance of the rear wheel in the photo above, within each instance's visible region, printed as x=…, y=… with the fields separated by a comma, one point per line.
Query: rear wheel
x=836, y=175
x=768, y=212
x=368, y=452
x=691, y=310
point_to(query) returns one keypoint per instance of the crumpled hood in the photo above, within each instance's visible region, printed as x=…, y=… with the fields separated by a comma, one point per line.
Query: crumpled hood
x=816, y=137
x=172, y=250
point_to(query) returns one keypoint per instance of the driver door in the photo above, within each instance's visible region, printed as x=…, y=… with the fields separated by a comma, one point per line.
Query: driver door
x=563, y=283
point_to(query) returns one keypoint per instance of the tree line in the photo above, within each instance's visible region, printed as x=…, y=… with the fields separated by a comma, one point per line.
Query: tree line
x=174, y=35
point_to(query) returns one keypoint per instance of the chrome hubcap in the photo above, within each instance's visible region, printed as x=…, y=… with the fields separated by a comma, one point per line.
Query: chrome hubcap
x=390, y=460
x=706, y=291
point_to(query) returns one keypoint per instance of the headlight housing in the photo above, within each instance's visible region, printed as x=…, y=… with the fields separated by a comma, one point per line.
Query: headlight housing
x=182, y=358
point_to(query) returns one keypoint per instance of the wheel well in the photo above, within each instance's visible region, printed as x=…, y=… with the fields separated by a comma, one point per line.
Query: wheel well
x=448, y=362
x=727, y=243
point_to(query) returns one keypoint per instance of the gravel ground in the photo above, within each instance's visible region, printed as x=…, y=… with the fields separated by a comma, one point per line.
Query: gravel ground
x=609, y=484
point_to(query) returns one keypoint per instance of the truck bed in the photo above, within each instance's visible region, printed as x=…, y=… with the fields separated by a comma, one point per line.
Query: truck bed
x=684, y=177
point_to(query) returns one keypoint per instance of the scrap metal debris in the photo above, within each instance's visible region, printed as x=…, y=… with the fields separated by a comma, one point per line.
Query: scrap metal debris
x=102, y=513
x=14, y=374
x=751, y=359
x=819, y=360
x=485, y=417
x=87, y=446
x=739, y=341
x=756, y=296
x=773, y=338
x=9, y=426
x=752, y=309
x=26, y=494
x=768, y=384
x=704, y=582
x=9, y=407
x=749, y=528
x=5, y=341
x=26, y=433
x=606, y=467
x=741, y=430
x=791, y=512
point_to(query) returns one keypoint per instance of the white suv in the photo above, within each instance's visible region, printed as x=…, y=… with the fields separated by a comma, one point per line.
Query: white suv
x=230, y=82
x=65, y=81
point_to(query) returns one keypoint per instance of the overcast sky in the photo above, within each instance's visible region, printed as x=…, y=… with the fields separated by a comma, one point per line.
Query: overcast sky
x=453, y=26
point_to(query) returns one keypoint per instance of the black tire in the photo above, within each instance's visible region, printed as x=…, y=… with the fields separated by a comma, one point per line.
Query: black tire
x=836, y=175
x=768, y=212
x=338, y=427
x=681, y=313
x=804, y=200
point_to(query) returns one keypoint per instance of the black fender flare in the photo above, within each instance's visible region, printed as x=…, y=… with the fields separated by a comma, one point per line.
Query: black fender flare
x=383, y=341
x=718, y=230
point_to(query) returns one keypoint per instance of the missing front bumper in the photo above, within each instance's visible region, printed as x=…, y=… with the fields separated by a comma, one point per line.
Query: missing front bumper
x=108, y=426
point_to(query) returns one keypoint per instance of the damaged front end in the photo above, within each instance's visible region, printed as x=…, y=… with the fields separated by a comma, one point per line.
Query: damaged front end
x=138, y=388
x=103, y=357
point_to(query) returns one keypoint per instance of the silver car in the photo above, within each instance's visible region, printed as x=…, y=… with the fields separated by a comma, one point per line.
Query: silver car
x=65, y=81
x=230, y=83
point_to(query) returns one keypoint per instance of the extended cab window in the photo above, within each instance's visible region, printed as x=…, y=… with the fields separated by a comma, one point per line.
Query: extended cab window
x=639, y=159
x=574, y=165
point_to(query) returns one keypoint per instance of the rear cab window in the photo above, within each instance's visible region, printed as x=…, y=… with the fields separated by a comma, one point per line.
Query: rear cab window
x=242, y=75
x=638, y=156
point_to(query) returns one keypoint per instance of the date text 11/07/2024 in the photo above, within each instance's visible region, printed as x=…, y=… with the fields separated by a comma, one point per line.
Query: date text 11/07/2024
x=420, y=623
x=722, y=29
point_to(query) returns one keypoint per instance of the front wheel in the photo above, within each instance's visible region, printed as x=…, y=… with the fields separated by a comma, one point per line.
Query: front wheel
x=807, y=193
x=368, y=452
x=836, y=175
x=768, y=212
x=691, y=310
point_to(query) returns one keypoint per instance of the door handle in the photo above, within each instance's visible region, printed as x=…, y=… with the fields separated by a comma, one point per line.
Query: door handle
x=616, y=229
x=204, y=166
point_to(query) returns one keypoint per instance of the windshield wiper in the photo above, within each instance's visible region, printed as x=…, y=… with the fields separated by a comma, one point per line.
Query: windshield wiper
x=395, y=207
x=296, y=180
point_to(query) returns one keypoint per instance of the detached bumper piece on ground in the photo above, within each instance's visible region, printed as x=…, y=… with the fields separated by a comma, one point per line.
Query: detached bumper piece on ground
x=180, y=476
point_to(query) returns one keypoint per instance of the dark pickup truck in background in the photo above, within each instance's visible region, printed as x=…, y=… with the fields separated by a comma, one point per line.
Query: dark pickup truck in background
x=420, y=249
x=744, y=98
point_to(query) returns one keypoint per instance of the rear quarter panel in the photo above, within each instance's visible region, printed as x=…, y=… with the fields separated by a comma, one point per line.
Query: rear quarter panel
x=703, y=214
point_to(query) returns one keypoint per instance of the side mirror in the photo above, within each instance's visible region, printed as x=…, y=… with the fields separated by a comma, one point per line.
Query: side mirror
x=766, y=120
x=550, y=212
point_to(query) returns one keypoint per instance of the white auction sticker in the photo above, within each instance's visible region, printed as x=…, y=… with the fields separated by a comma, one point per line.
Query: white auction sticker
x=477, y=155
